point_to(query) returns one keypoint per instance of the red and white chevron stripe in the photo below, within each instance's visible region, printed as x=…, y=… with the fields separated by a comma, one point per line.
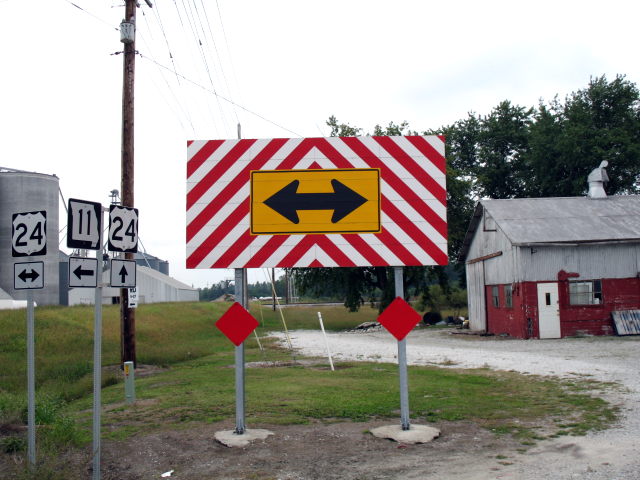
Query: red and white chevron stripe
x=413, y=202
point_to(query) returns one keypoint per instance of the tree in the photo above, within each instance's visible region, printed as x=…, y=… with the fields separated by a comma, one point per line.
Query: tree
x=361, y=285
x=601, y=122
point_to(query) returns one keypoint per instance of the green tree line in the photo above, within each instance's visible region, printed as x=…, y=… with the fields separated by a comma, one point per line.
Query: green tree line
x=511, y=152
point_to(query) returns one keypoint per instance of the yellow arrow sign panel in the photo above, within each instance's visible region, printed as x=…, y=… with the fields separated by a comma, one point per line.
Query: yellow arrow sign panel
x=315, y=201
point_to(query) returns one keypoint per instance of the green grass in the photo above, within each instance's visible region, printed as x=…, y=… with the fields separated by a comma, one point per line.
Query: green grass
x=196, y=384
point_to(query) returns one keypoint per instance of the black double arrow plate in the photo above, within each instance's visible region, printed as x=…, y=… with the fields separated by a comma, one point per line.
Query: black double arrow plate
x=28, y=275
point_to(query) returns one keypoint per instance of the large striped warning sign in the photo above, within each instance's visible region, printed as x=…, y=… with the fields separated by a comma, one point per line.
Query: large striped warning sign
x=316, y=202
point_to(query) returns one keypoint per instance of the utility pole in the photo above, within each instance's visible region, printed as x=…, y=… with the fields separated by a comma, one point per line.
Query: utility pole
x=127, y=315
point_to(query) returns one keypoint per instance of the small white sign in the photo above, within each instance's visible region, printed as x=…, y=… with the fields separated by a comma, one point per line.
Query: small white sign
x=28, y=275
x=123, y=273
x=133, y=297
x=29, y=234
x=83, y=272
x=123, y=229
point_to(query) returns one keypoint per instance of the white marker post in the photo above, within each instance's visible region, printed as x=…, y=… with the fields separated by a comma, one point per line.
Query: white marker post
x=326, y=342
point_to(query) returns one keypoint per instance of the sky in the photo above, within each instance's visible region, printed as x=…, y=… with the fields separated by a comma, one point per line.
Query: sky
x=279, y=68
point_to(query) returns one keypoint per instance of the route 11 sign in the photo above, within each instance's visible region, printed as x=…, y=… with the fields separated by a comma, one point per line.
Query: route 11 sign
x=123, y=229
x=29, y=234
x=84, y=224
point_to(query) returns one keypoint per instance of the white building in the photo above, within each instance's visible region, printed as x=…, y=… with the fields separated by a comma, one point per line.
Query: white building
x=152, y=287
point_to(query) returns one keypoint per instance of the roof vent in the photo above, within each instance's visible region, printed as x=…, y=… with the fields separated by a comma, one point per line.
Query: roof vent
x=597, y=179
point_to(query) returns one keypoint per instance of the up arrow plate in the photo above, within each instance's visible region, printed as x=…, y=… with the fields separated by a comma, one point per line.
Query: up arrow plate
x=123, y=273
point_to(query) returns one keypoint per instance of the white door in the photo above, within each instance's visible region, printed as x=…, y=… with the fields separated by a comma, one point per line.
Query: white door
x=548, y=310
x=476, y=296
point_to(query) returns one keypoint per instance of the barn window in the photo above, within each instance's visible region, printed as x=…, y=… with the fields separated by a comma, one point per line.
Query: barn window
x=489, y=223
x=495, y=296
x=508, y=296
x=585, y=292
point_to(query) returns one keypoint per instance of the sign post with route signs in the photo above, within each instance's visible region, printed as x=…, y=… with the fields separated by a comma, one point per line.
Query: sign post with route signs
x=84, y=232
x=29, y=239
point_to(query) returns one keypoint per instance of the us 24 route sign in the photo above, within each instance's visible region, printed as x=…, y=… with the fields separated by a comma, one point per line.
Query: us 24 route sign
x=316, y=202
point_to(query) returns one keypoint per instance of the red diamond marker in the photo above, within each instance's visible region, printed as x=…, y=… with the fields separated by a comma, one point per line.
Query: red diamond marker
x=399, y=318
x=237, y=324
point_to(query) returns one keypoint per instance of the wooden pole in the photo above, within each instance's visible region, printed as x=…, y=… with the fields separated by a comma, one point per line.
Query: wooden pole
x=127, y=315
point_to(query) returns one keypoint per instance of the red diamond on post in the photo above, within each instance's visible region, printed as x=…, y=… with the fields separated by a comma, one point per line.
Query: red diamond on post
x=237, y=324
x=399, y=318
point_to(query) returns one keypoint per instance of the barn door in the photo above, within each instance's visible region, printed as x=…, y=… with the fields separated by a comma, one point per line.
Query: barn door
x=476, y=296
x=548, y=310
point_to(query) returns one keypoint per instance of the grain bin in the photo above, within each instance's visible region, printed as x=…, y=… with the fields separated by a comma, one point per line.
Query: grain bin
x=27, y=192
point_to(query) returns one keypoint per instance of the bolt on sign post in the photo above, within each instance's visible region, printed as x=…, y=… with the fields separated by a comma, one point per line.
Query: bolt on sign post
x=29, y=239
x=237, y=324
x=316, y=202
x=399, y=319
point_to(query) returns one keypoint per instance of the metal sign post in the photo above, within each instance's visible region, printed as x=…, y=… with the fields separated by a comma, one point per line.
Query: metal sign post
x=240, y=286
x=402, y=359
x=31, y=383
x=97, y=369
x=29, y=239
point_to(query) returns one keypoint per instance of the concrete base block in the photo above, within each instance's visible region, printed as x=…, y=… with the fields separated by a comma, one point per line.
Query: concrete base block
x=231, y=439
x=416, y=433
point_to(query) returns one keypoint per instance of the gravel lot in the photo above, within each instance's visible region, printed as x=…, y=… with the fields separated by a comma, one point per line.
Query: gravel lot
x=610, y=455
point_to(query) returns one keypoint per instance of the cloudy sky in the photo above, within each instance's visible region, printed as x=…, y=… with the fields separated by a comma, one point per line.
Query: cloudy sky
x=280, y=69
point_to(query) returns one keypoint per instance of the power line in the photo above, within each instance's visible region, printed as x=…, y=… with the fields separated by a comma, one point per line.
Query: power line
x=92, y=15
x=218, y=95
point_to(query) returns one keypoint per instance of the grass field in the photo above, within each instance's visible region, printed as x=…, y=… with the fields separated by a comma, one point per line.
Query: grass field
x=195, y=382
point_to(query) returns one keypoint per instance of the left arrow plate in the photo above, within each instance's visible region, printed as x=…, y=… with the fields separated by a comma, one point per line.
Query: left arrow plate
x=28, y=275
x=83, y=272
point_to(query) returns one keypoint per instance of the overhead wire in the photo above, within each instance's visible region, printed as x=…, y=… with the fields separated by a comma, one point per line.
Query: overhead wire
x=92, y=15
x=220, y=96
x=191, y=16
x=226, y=42
x=185, y=112
x=215, y=47
x=174, y=71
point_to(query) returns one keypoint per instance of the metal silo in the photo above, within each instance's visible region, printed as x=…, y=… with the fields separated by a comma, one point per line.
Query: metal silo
x=27, y=192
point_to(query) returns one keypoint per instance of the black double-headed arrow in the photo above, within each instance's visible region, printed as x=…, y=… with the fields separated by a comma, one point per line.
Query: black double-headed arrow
x=31, y=276
x=288, y=201
x=80, y=272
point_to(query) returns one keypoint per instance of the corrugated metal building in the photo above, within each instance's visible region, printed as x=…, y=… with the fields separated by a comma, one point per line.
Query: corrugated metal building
x=152, y=286
x=552, y=267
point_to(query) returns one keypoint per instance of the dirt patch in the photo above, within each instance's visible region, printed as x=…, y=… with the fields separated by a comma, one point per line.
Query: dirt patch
x=345, y=451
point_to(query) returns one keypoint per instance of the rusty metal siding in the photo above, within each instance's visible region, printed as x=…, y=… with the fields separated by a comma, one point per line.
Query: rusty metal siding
x=498, y=270
x=589, y=261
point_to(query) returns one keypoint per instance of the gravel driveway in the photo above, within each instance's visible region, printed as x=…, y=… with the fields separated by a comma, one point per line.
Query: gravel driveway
x=613, y=454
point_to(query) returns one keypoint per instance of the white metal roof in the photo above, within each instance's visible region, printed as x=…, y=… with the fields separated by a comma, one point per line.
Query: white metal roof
x=528, y=221
x=569, y=219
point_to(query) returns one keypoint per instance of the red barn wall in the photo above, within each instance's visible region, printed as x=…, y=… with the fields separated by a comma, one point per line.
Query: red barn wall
x=521, y=320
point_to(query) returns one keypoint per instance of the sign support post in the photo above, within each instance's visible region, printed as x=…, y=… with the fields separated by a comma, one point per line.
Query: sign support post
x=97, y=369
x=240, y=287
x=31, y=383
x=402, y=359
